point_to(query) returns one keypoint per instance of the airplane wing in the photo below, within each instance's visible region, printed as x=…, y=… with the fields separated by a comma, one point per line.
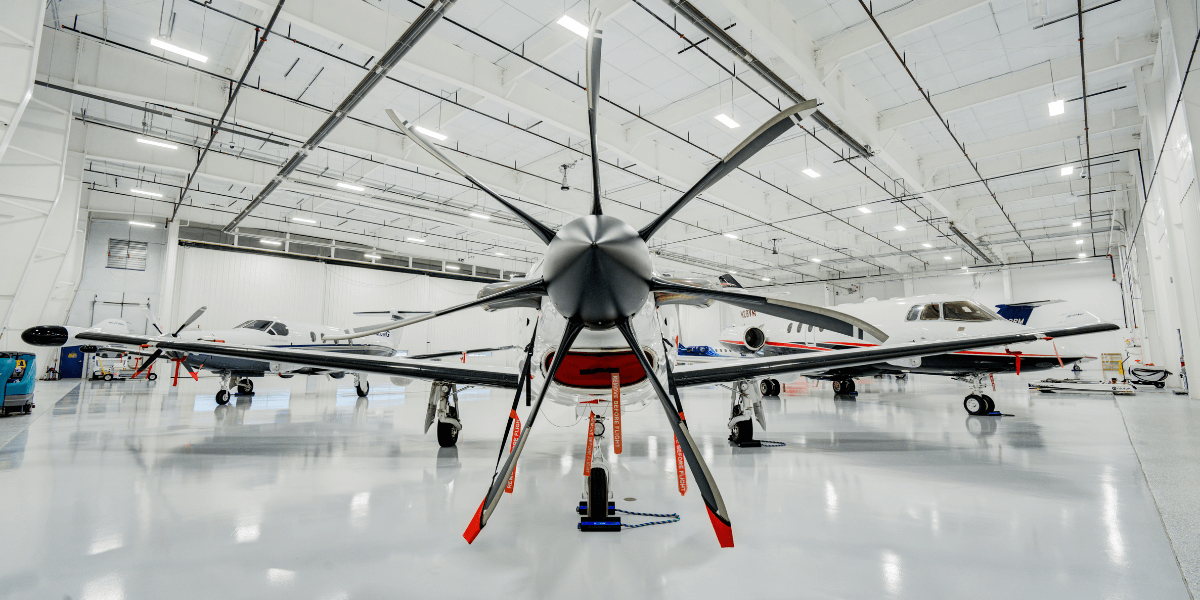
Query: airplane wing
x=753, y=368
x=289, y=358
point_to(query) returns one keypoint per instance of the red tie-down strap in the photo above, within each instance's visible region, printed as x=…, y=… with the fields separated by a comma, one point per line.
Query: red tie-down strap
x=516, y=434
x=616, y=412
x=1017, y=354
x=587, y=456
x=1056, y=355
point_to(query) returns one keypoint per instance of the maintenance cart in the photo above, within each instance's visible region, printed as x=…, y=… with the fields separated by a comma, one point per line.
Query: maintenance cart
x=18, y=371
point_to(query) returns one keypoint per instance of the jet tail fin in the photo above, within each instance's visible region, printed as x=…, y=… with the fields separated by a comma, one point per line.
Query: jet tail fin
x=728, y=281
x=1018, y=312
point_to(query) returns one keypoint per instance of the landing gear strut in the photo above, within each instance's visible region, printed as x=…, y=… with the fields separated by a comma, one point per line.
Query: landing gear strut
x=228, y=384
x=443, y=404
x=977, y=403
x=743, y=405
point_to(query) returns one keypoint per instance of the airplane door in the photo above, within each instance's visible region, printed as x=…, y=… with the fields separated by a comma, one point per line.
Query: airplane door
x=70, y=363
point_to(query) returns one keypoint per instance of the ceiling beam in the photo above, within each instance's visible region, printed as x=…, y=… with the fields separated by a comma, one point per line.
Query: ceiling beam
x=863, y=36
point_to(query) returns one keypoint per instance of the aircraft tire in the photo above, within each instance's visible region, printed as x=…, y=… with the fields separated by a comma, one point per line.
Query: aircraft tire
x=108, y=377
x=975, y=405
x=843, y=386
x=598, y=494
x=991, y=404
x=152, y=376
x=245, y=386
x=743, y=431
x=447, y=435
x=765, y=387
x=223, y=397
x=776, y=387
x=363, y=388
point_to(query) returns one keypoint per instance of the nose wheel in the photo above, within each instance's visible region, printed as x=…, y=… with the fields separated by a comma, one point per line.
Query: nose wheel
x=979, y=404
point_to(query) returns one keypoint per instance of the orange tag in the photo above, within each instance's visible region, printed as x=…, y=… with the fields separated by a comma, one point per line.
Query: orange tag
x=616, y=406
x=679, y=469
x=587, y=456
x=512, y=446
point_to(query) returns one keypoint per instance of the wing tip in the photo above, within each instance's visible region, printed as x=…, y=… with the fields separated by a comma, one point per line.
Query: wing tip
x=722, y=528
x=476, y=526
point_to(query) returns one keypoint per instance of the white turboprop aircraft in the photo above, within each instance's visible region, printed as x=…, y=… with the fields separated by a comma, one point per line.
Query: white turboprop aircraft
x=597, y=293
x=914, y=319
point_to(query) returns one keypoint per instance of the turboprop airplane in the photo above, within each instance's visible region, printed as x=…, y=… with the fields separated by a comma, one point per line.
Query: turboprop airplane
x=598, y=334
x=238, y=373
x=907, y=320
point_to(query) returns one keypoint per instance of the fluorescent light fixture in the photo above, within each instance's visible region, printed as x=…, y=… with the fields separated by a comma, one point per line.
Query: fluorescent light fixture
x=726, y=121
x=811, y=173
x=731, y=236
x=501, y=254
x=1078, y=241
x=157, y=143
x=1067, y=170
x=899, y=228
x=946, y=257
x=574, y=26
x=431, y=133
x=417, y=240
x=1076, y=223
x=479, y=216
x=347, y=186
x=373, y=256
x=864, y=210
x=141, y=224
x=1082, y=255
x=451, y=267
x=157, y=43
x=964, y=267
x=270, y=242
x=303, y=220
x=732, y=272
x=815, y=259
x=927, y=244
x=766, y=278
x=145, y=193
x=1058, y=107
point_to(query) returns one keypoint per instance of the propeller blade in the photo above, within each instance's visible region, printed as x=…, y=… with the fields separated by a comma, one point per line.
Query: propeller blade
x=544, y=233
x=190, y=320
x=764, y=135
x=535, y=285
x=500, y=479
x=183, y=361
x=704, y=479
x=824, y=318
x=592, y=58
x=153, y=321
x=149, y=361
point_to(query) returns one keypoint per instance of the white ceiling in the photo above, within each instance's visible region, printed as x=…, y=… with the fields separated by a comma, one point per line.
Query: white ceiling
x=986, y=64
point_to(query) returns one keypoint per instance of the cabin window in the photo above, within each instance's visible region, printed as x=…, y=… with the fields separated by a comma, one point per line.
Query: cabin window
x=913, y=313
x=965, y=311
x=931, y=312
x=279, y=329
x=789, y=328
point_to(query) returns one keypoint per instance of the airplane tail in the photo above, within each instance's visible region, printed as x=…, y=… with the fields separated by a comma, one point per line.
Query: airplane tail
x=1018, y=312
x=727, y=280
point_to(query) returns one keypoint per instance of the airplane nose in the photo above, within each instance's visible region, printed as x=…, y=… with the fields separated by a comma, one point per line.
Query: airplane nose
x=45, y=335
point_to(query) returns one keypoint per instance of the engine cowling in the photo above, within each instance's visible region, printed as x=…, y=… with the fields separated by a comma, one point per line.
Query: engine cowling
x=751, y=338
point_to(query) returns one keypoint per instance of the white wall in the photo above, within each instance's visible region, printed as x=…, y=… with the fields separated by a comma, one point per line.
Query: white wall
x=99, y=284
x=238, y=286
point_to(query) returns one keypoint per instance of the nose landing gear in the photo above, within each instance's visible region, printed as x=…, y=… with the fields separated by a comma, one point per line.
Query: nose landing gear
x=596, y=511
x=741, y=407
x=977, y=403
x=443, y=404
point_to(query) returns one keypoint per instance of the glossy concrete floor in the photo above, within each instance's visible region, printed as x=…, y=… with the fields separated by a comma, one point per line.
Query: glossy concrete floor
x=128, y=491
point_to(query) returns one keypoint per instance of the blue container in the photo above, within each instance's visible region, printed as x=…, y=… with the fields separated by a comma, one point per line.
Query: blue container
x=18, y=372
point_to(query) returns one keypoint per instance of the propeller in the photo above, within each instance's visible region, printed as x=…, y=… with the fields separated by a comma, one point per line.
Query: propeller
x=544, y=233
x=592, y=59
x=704, y=479
x=500, y=479
x=159, y=352
x=764, y=135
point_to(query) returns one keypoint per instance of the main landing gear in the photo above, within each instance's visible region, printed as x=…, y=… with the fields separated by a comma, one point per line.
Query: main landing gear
x=769, y=387
x=229, y=383
x=977, y=403
x=443, y=404
x=843, y=386
x=744, y=404
x=361, y=385
x=597, y=512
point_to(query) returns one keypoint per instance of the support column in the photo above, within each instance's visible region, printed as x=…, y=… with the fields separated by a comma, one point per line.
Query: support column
x=166, y=287
x=829, y=295
x=909, y=288
x=1006, y=278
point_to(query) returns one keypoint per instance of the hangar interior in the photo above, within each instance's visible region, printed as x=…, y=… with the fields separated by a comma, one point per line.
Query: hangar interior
x=158, y=157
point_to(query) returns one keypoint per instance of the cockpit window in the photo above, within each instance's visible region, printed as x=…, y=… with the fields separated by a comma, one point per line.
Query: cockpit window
x=279, y=329
x=965, y=311
x=931, y=312
x=258, y=325
x=913, y=313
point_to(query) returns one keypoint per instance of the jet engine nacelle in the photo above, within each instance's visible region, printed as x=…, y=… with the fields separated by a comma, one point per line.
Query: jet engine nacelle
x=752, y=336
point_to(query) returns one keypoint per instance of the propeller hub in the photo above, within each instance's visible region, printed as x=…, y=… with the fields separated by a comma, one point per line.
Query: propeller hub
x=597, y=270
